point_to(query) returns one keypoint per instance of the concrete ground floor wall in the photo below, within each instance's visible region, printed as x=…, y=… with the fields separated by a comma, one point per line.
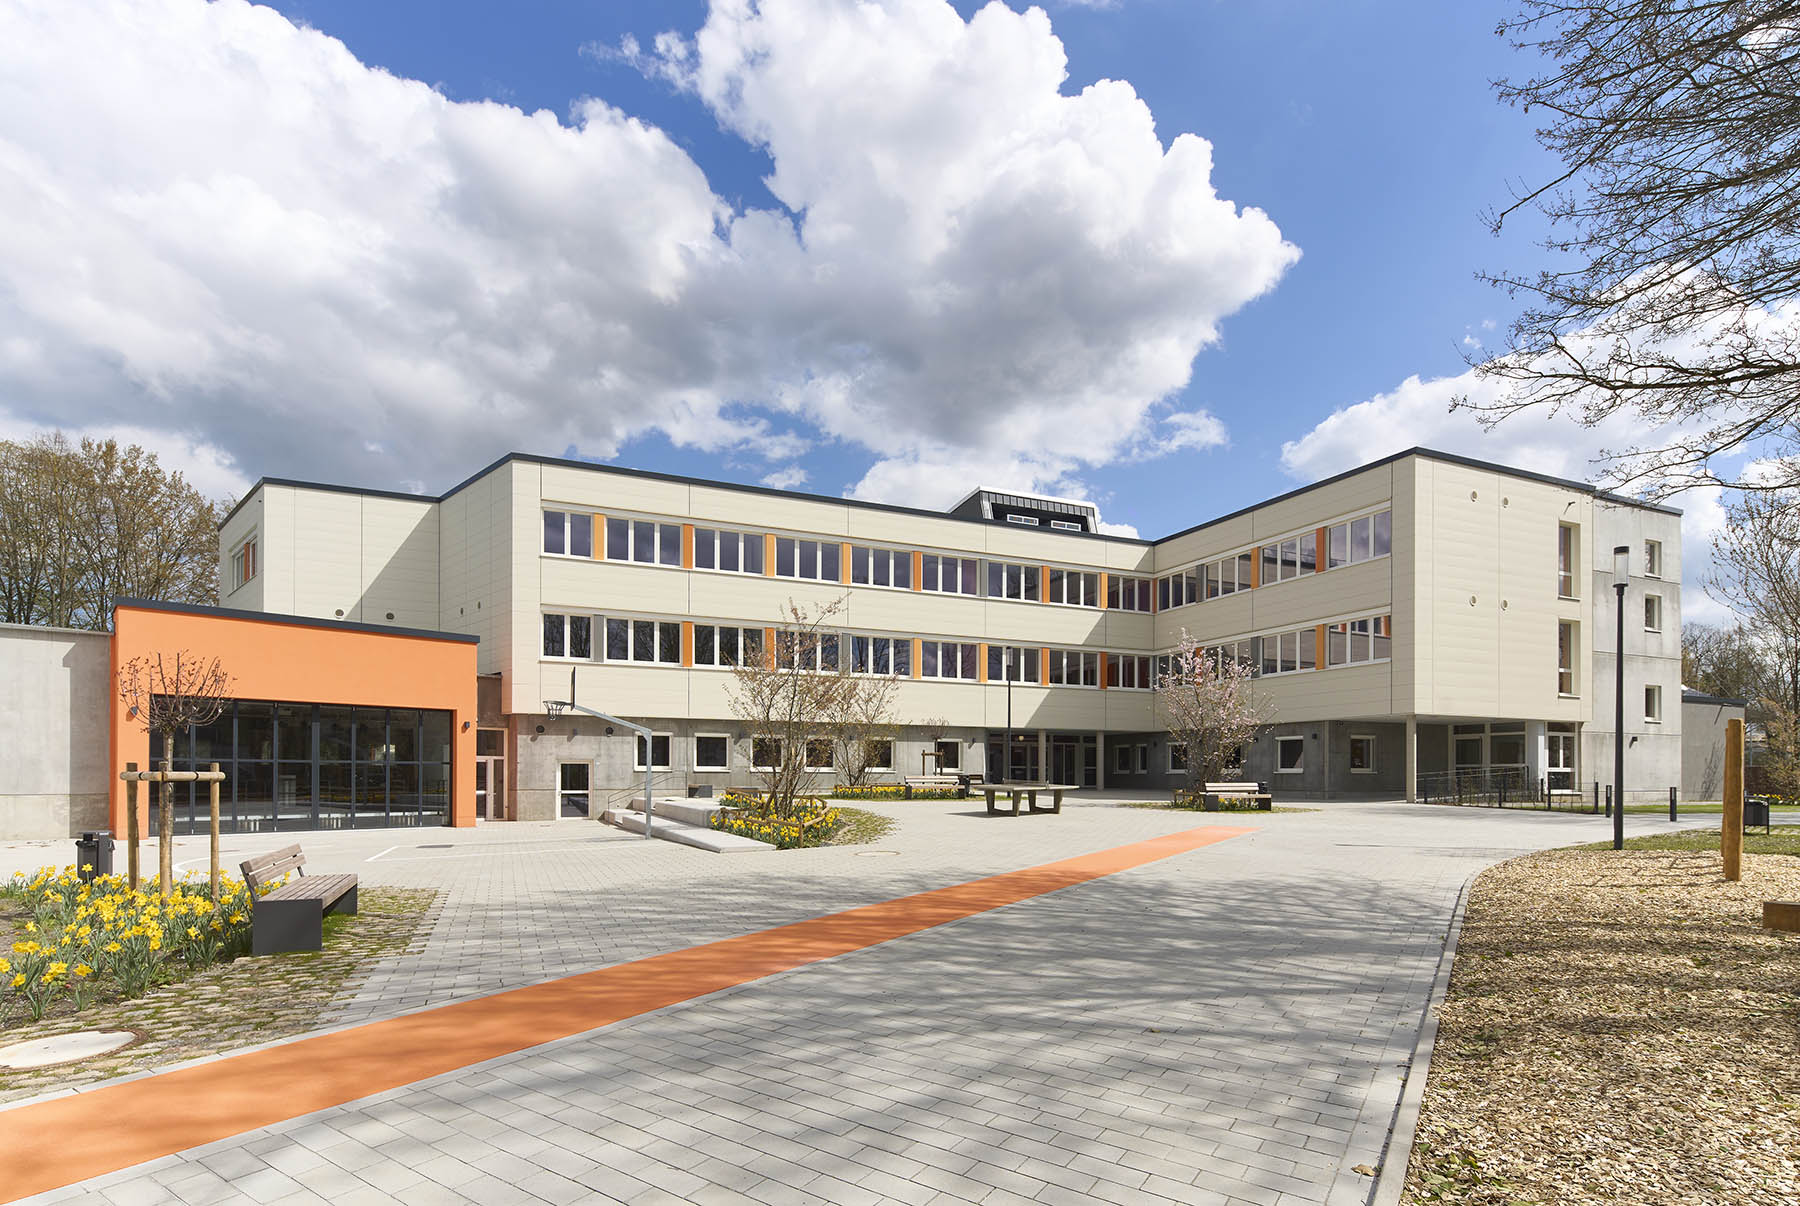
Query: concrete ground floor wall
x=55, y=694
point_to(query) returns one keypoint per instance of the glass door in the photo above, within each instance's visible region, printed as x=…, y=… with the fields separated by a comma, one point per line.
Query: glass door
x=1560, y=764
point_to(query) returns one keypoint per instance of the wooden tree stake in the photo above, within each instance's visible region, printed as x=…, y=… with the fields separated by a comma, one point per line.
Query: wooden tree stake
x=214, y=785
x=131, y=827
x=1731, y=825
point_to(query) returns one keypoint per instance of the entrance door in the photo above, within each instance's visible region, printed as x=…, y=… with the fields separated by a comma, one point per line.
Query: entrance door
x=1560, y=765
x=1073, y=759
x=490, y=789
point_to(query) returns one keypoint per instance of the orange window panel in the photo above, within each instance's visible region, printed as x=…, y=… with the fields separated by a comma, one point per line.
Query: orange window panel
x=844, y=563
x=599, y=542
x=1319, y=647
x=687, y=546
x=981, y=663
x=918, y=656
x=918, y=582
x=1044, y=666
x=1322, y=556
x=687, y=640
x=1102, y=601
x=768, y=554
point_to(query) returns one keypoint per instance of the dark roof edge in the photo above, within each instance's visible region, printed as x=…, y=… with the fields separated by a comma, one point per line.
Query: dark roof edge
x=532, y=458
x=1701, y=697
x=275, y=617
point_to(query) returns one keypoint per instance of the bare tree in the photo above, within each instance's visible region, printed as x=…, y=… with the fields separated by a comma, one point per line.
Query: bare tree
x=786, y=695
x=1207, y=704
x=863, y=725
x=1678, y=126
x=1756, y=572
x=167, y=696
x=1726, y=660
x=83, y=524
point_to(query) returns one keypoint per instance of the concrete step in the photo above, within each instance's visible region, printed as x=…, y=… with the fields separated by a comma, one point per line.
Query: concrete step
x=696, y=836
x=680, y=808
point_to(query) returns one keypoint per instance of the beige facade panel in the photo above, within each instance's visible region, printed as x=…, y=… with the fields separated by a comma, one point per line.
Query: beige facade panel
x=767, y=512
x=1010, y=623
x=600, y=490
x=573, y=584
x=1208, y=544
x=1369, y=489
x=1403, y=573
x=245, y=524
x=1350, y=590
x=1343, y=691
x=1215, y=619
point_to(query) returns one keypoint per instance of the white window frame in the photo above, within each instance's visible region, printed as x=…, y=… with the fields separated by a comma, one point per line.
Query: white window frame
x=238, y=560
x=830, y=746
x=1064, y=525
x=968, y=574
x=596, y=636
x=1653, y=603
x=1567, y=678
x=1086, y=583
x=802, y=546
x=1298, y=769
x=637, y=757
x=1030, y=521
x=1177, y=758
x=1567, y=576
x=659, y=555
x=1373, y=748
x=896, y=558
x=761, y=766
x=1122, y=759
x=596, y=531
x=886, y=765
x=712, y=536
x=656, y=639
x=1653, y=703
x=709, y=767
x=938, y=647
x=1352, y=528
x=1653, y=558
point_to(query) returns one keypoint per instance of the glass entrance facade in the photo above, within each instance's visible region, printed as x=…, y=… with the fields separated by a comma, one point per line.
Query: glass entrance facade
x=316, y=766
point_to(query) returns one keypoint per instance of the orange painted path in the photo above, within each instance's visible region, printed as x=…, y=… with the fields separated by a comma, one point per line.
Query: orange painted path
x=59, y=1142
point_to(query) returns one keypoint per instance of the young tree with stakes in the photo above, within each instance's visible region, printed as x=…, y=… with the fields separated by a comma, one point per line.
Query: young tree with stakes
x=166, y=696
x=1208, y=707
x=785, y=700
x=863, y=724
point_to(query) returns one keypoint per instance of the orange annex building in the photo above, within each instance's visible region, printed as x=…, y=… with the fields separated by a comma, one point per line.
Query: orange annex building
x=330, y=725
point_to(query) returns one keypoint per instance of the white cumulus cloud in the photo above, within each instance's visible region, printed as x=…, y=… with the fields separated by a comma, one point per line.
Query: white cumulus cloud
x=222, y=226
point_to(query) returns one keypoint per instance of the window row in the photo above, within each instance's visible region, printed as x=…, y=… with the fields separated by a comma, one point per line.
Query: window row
x=1127, y=594
x=712, y=752
x=1129, y=672
x=732, y=552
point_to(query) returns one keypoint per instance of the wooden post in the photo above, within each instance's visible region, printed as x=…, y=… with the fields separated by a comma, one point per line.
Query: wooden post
x=213, y=788
x=131, y=826
x=1731, y=825
x=165, y=822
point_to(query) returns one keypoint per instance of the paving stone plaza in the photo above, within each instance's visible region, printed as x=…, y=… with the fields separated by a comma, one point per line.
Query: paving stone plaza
x=1228, y=1024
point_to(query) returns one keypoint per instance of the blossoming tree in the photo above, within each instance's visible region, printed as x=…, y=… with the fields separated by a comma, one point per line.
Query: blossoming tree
x=787, y=693
x=166, y=696
x=1209, y=709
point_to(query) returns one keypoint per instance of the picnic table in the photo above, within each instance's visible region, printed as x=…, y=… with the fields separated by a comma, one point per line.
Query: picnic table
x=1023, y=791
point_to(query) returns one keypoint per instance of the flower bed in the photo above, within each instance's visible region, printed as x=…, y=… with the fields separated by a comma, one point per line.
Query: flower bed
x=1199, y=801
x=892, y=791
x=809, y=822
x=85, y=939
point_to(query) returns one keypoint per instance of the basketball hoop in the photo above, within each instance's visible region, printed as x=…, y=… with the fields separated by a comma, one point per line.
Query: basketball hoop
x=554, y=708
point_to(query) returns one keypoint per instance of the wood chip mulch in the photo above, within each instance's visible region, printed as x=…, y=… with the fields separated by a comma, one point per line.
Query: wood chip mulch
x=1619, y=1028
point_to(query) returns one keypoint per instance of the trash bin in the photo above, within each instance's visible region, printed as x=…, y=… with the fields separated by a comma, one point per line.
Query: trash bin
x=93, y=854
x=1756, y=812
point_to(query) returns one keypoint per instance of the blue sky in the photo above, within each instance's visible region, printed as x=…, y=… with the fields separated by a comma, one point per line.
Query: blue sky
x=1368, y=132
x=888, y=250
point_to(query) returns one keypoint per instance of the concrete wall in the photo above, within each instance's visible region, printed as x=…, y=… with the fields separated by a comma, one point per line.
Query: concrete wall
x=1703, y=747
x=54, y=711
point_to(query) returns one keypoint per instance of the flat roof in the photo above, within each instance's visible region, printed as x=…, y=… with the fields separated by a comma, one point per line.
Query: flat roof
x=806, y=496
x=276, y=617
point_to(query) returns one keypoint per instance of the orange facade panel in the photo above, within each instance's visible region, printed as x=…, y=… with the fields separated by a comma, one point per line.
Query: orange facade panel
x=287, y=658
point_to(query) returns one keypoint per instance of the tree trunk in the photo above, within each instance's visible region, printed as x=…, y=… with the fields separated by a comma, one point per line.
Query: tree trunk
x=213, y=791
x=165, y=821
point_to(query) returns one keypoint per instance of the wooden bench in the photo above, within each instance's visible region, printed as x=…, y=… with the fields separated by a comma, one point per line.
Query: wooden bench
x=1024, y=791
x=934, y=783
x=292, y=917
x=1218, y=793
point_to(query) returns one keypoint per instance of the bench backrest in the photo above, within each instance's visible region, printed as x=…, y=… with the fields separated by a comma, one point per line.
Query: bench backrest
x=1218, y=788
x=265, y=867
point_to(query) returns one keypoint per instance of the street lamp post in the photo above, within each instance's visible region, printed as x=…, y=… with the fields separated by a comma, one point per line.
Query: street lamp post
x=1006, y=654
x=1621, y=574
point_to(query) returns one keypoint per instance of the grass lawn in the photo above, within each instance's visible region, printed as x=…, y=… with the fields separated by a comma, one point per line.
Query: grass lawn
x=1620, y=1029
x=860, y=827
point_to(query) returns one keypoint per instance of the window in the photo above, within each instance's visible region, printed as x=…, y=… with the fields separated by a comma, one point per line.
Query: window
x=819, y=754
x=643, y=641
x=880, y=655
x=1352, y=641
x=659, y=752
x=1122, y=759
x=1360, y=539
x=716, y=645
x=1652, y=558
x=243, y=563
x=1143, y=759
x=1291, y=652
x=806, y=650
x=1227, y=575
x=1073, y=668
x=949, y=575
x=570, y=636
x=1180, y=589
x=1029, y=521
x=569, y=533
x=1290, y=558
x=813, y=559
x=1128, y=672
x=1128, y=594
x=1565, y=560
x=1290, y=755
x=572, y=791
x=880, y=567
x=1653, y=704
x=1565, y=657
x=1020, y=664
x=949, y=755
x=948, y=659
x=1362, y=755
x=731, y=552
x=712, y=751
x=1064, y=525
x=1652, y=613
x=879, y=754
x=765, y=753
x=1242, y=653
x=1075, y=588
x=1177, y=758
x=1007, y=581
x=643, y=540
